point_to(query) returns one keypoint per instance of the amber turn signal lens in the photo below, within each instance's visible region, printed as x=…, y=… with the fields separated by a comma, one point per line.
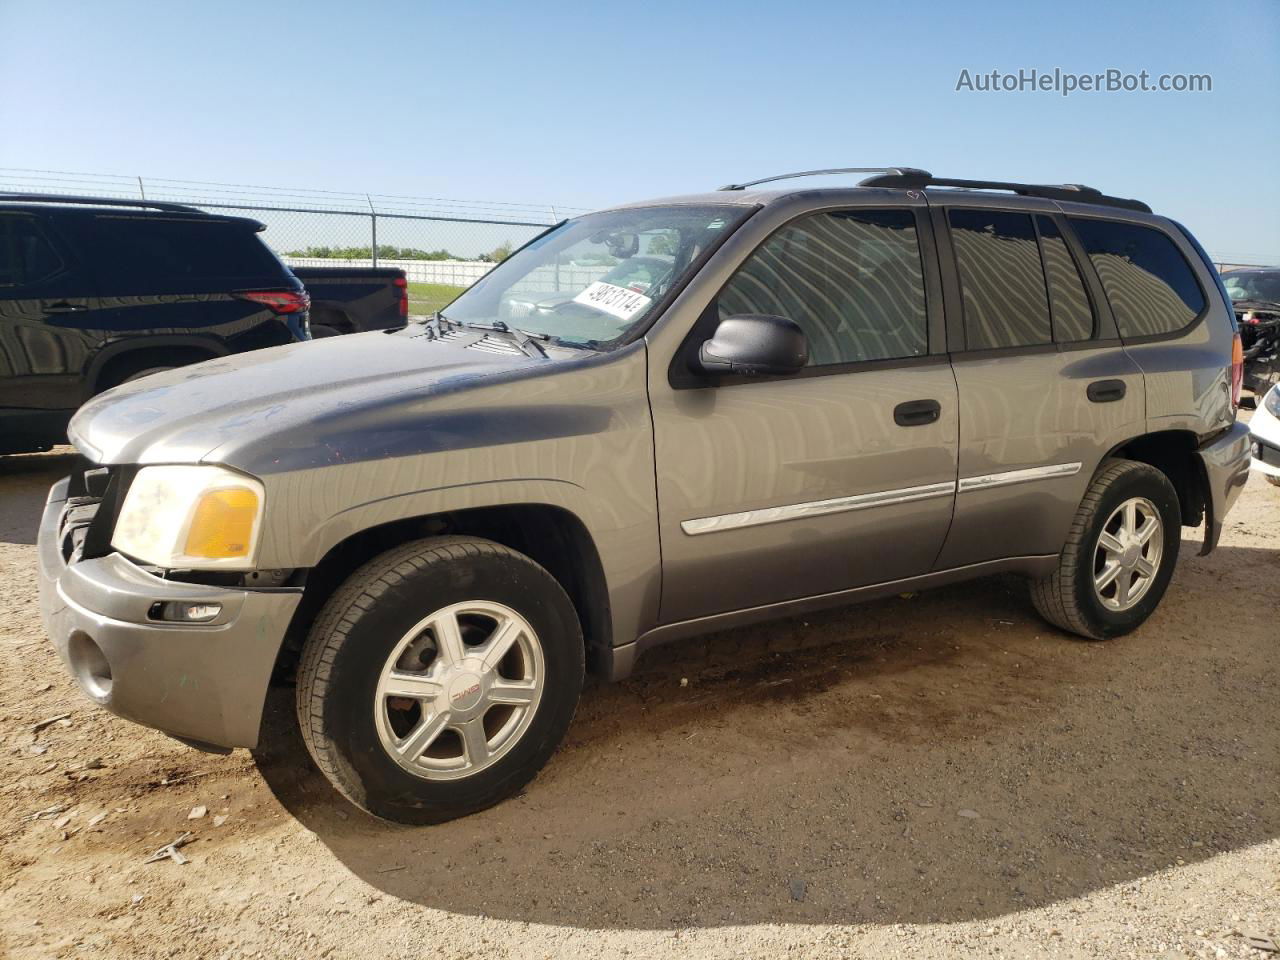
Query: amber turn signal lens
x=222, y=524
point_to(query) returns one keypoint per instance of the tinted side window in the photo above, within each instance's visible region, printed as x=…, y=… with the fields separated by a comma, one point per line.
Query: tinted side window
x=1147, y=280
x=1068, y=302
x=131, y=251
x=852, y=280
x=1001, y=279
x=25, y=255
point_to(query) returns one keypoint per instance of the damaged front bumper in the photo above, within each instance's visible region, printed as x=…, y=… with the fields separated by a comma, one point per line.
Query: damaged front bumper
x=201, y=682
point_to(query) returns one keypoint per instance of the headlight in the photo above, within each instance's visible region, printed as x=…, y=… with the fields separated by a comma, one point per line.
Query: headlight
x=1272, y=401
x=203, y=517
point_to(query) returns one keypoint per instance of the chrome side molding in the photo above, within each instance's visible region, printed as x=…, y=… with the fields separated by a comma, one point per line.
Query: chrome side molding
x=881, y=498
x=816, y=508
x=1008, y=477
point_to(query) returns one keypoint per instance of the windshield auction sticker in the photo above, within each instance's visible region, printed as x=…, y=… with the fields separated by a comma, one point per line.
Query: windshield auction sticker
x=616, y=301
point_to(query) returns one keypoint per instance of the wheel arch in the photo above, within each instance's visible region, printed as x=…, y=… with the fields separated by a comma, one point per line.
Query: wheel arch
x=551, y=535
x=125, y=354
x=1173, y=453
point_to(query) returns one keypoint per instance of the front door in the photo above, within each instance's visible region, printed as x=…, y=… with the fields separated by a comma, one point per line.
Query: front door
x=772, y=489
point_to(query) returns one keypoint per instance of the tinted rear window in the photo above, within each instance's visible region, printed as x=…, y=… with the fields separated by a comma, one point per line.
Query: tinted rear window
x=135, y=251
x=1001, y=279
x=1149, y=283
x=25, y=255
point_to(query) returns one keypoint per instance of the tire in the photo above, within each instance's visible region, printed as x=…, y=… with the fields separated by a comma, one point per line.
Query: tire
x=145, y=372
x=1068, y=597
x=319, y=331
x=374, y=632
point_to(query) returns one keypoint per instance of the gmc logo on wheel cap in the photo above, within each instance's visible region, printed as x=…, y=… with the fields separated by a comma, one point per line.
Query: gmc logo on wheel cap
x=463, y=694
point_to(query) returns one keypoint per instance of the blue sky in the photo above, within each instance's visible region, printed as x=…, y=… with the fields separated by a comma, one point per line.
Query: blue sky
x=589, y=104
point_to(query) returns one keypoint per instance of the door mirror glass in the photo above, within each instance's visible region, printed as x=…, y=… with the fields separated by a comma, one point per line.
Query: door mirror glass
x=754, y=345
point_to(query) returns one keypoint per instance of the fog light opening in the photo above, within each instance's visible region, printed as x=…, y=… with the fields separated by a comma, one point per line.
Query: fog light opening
x=90, y=666
x=181, y=611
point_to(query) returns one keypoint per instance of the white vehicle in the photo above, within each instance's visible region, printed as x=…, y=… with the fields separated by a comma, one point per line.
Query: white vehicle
x=1264, y=436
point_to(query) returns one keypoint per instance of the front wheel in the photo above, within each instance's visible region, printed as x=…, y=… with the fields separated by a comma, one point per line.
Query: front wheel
x=1119, y=555
x=439, y=679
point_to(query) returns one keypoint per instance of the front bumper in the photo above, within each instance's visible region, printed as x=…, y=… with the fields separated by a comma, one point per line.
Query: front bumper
x=1264, y=432
x=1225, y=460
x=204, y=682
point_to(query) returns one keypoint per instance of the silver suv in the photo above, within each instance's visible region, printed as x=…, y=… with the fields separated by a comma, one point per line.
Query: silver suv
x=831, y=395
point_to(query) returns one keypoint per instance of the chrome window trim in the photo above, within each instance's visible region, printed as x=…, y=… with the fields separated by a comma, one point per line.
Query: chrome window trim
x=816, y=508
x=881, y=498
x=1008, y=477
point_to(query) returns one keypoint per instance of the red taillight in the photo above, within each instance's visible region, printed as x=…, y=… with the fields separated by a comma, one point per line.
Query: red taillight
x=1237, y=369
x=403, y=286
x=277, y=301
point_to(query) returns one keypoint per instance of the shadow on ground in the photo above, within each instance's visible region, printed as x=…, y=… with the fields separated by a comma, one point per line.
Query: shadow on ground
x=940, y=757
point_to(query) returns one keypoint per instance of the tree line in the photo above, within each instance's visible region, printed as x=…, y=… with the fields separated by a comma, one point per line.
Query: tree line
x=388, y=252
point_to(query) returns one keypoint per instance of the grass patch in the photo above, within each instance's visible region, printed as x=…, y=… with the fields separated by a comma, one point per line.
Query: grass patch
x=427, y=298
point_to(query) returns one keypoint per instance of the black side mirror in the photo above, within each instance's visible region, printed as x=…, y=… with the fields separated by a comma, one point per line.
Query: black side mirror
x=754, y=345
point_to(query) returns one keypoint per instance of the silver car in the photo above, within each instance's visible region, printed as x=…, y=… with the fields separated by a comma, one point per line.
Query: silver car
x=833, y=395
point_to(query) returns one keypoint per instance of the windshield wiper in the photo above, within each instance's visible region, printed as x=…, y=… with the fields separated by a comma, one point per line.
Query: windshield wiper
x=526, y=340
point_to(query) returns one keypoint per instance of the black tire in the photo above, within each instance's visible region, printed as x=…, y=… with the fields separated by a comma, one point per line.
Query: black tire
x=1067, y=598
x=146, y=372
x=320, y=330
x=361, y=624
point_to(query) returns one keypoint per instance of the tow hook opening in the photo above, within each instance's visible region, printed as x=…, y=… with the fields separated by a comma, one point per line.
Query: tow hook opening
x=90, y=666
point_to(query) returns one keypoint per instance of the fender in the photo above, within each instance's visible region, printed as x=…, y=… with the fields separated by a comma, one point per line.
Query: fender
x=627, y=543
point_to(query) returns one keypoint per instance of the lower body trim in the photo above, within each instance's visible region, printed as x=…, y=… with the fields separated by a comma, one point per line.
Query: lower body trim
x=621, y=660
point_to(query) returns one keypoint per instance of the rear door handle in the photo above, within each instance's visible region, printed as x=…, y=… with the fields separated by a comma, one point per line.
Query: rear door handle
x=1106, y=391
x=916, y=413
x=64, y=307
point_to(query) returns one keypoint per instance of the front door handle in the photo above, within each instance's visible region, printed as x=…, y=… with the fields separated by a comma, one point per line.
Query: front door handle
x=63, y=306
x=916, y=413
x=1105, y=391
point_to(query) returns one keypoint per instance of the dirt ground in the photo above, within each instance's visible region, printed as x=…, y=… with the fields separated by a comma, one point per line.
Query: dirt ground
x=933, y=775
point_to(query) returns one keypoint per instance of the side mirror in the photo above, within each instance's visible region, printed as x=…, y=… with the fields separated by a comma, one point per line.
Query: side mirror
x=754, y=345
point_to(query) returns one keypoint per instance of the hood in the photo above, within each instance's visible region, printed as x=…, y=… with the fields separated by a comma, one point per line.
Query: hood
x=289, y=401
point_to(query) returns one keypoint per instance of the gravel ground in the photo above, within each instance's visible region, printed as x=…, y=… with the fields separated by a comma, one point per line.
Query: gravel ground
x=939, y=775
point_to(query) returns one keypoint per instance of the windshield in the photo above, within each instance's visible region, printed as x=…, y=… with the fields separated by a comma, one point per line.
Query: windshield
x=591, y=280
x=1253, y=286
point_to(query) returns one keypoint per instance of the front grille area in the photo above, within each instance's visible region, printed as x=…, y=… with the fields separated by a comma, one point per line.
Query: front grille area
x=94, y=496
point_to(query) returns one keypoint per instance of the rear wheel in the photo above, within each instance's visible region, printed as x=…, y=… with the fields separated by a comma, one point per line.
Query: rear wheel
x=1119, y=556
x=439, y=679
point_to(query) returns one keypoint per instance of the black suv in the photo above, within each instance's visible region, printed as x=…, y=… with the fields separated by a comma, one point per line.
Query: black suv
x=94, y=292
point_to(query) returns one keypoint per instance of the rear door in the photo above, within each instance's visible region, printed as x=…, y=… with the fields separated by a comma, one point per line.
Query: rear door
x=45, y=294
x=1045, y=386
x=843, y=475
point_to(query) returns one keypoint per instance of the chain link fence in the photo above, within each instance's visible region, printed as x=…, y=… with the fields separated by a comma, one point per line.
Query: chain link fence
x=442, y=245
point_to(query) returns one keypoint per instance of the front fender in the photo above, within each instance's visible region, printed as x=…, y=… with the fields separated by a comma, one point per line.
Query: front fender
x=626, y=540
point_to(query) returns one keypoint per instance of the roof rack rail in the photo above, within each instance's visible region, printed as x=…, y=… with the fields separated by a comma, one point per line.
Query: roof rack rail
x=890, y=171
x=102, y=201
x=1070, y=192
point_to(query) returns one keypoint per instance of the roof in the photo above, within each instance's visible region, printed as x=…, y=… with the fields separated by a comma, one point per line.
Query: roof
x=895, y=180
